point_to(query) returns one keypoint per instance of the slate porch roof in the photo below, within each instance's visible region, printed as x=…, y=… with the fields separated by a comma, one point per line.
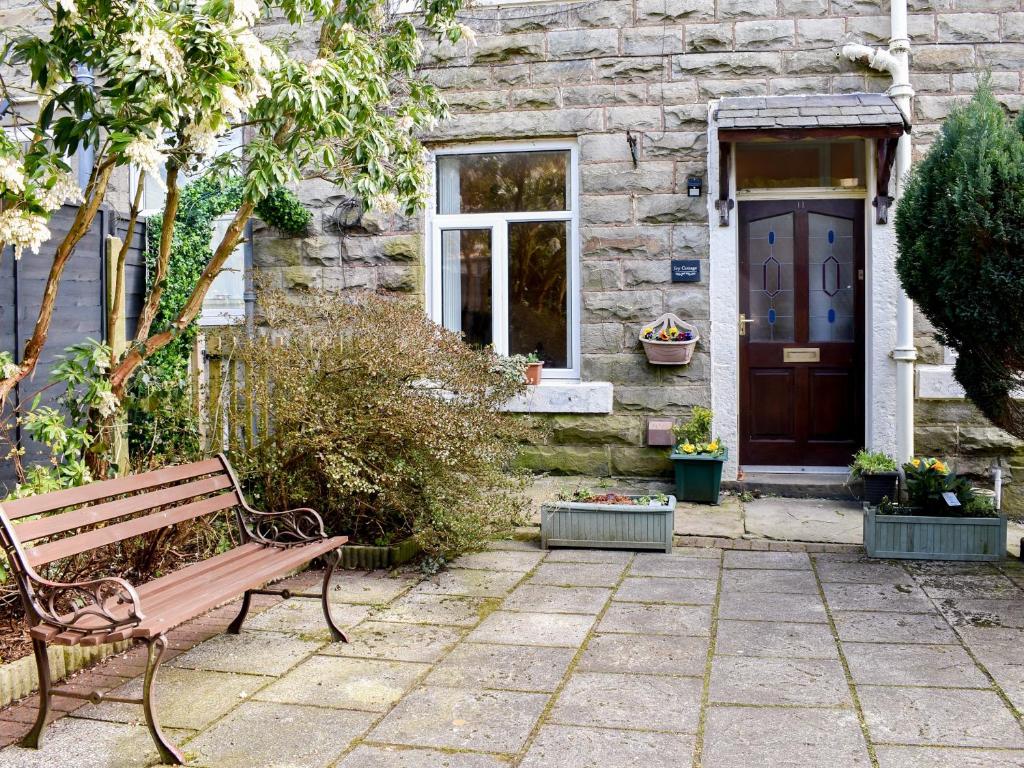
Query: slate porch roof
x=809, y=112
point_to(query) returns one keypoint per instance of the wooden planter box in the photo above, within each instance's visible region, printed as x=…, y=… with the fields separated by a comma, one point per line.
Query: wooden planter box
x=922, y=537
x=608, y=526
x=367, y=558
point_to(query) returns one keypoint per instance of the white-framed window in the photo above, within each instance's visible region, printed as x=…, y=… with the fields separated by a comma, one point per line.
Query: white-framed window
x=504, y=249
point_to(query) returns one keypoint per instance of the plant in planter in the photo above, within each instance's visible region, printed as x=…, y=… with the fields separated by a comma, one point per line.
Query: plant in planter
x=698, y=459
x=534, y=368
x=608, y=520
x=879, y=472
x=669, y=341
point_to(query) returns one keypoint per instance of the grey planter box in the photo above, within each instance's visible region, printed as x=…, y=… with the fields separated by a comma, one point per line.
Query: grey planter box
x=608, y=526
x=921, y=537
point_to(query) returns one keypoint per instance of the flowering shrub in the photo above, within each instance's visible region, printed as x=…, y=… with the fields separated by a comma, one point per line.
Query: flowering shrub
x=928, y=479
x=671, y=333
x=385, y=422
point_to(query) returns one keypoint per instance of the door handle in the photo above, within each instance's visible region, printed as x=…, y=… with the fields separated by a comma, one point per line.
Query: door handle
x=743, y=323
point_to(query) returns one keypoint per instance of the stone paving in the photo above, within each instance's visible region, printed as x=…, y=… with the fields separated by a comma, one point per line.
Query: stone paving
x=576, y=659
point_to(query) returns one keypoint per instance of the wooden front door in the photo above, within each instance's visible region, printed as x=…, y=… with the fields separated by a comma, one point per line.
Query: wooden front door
x=802, y=347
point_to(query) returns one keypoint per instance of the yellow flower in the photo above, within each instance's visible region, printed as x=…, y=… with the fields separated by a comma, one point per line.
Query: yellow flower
x=938, y=466
x=647, y=330
x=689, y=448
x=713, y=446
x=916, y=462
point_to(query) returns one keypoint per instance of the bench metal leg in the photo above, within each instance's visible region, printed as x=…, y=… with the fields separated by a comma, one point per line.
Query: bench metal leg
x=35, y=736
x=236, y=626
x=333, y=560
x=168, y=752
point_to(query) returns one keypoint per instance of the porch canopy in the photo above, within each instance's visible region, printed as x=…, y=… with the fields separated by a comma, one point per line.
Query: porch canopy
x=791, y=118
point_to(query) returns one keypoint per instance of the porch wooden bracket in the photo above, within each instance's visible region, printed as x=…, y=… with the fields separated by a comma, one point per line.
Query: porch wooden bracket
x=724, y=204
x=885, y=159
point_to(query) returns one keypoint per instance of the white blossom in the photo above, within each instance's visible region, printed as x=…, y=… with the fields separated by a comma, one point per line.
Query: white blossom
x=22, y=229
x=316, y=67
x=404, y=123
x=467, y=34
x=258, y=56
x=69, y=6
x=202, y=137
x=385, y=203
x=230, y=103
x=145, y=153
x=64, y=189
x=9, y=370
x=156, y=49
x=12, y=175
x=106, y=403
x=247, y=11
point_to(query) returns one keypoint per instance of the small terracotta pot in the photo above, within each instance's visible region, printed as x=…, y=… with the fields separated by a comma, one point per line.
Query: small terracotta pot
x=533, y=371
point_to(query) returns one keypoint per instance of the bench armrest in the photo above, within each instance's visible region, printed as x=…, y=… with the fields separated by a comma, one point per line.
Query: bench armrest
x=283, y=529
x=96, y=606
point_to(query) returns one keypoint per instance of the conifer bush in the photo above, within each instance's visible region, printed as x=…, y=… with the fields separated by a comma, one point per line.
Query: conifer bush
x=960, y=230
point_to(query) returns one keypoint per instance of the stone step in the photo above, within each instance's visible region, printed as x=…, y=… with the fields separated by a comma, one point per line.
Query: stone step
x=798, y=485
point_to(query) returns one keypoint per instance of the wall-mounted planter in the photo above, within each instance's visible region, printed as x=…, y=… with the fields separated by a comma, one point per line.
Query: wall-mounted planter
x=608, y=526
x=698, y=476
x=367, y=558
x=923, y=537
x=669, y=352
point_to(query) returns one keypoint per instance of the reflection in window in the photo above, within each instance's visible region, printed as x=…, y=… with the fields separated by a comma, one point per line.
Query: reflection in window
x=776, y=164
x=538, y=283
x=503, y=182
x=466, y=283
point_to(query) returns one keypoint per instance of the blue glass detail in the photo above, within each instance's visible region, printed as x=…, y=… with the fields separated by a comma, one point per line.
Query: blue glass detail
x=831, y=236
x=831, y=315
x=771, y=316
x=771, y=237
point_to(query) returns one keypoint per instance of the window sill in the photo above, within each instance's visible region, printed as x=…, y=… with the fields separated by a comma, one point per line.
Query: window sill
x=564, y=397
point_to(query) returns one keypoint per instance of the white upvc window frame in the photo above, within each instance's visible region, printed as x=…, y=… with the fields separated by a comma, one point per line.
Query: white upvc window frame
x=497, y=223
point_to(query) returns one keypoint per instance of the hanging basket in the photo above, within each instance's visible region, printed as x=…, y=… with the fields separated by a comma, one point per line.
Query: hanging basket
x=669, y=352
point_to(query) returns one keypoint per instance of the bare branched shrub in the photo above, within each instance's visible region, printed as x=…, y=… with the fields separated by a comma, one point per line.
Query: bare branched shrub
x=383, y=421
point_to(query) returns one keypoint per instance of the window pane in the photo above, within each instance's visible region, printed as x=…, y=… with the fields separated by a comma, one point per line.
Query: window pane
x=771, y=279
x=466, y=283
x=761, y=165
x=538, y=287
x=830, y=278
x=503, y=182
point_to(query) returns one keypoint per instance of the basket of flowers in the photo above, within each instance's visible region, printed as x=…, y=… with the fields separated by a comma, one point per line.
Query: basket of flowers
x=669, y=340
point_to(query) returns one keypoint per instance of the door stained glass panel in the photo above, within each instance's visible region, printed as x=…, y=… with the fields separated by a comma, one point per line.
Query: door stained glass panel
x=771, y=289
x=830, y=278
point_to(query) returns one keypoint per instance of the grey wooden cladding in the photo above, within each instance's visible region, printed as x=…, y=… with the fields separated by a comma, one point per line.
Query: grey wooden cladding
x=608, y=526
x=920, y=537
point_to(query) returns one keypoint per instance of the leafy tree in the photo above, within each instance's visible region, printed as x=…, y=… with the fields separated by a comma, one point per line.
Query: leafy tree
x=174, y=75
x=960, y=228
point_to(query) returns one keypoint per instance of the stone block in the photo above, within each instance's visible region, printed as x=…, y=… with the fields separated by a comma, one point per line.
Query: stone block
x=670, y=209
x=936, y=108
x=303, y=278
x=953, y=58
x=652, y=41
x=815, y=62
x=775, y=33
x=858, y=7
x=606, y=209
x=458, y=77
x=674, y=10
x=705, y=38
x=1013, y=27
x=479, y=125
x=803, y=7
x=641, y=462
x=562, y=72
x=622, y=368
x=661, y=399
x=565, y=460
x=582, y=43
x=610, y=94
x=1000, y=81
x=727, y=64
x=634, y=118
x=717, y=89
x=620, y=242
x=601, y=147
x=631, y=69
x=680, y=92
x=601, y=337
x=677, y=145
x=818, y=31
x=346, y=278
x=1001, y=57
x=601, y=275
x=508, y=48
x=968, y=27
x=605, y=14
x=510, y=74
x=638, y=306
x=533, y=98
x=476, y=101
x=732, y=9
x=650, y=176
x=939, y=84
x=399, y=279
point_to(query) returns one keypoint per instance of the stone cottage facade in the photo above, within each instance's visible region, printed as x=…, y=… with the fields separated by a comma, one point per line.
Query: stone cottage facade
x=592, y=144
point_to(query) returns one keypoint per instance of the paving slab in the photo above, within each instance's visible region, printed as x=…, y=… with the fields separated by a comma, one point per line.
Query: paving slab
x=369, y=588
x=815, y=520
x=503, y=667
x=998, y=649
x=588, y=556
x=362, y=684
x=645, y=655
x=939, y=757
x=469, y=583
x=769, y=580
x=449, y=610
x=398, y=642
x=775, y=639
x=578, y=574
x=948, y=666
x=405, y=757
x=983, y=613
x=739, y=558
x=794, y=737
x=761, y=681
x=940, y=716
x=858, y=572
x=184, y=698
x=305, y=618
x=771, y=607
x=902, y=598
x=654, y=619
x=970, y=586
x=263, y=734
x=517, y=562
x=724, y=520
x=675, y=566
x=543, y=598
x=653, y=589
x=551, y=629
x=563, y=746
x=646, y=702
x=456, y=718
x=268, y=653
x=876, y=627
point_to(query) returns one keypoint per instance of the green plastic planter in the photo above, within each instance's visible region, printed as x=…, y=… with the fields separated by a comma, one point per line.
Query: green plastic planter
x=698, y=478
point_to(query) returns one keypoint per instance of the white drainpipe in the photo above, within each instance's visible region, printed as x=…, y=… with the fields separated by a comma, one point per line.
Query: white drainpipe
x=895, y=61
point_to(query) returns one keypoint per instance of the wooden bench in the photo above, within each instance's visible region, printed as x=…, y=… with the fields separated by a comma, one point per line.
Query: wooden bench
x=42, y=529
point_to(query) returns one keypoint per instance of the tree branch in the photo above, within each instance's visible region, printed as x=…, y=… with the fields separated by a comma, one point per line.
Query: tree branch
x=152, y=305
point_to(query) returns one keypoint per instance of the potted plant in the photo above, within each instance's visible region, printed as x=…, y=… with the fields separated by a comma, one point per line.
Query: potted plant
x=534, y=368
x=608, y=521
x=943, y=517
x=698, y=459
x=669, y=341
x=879, y=472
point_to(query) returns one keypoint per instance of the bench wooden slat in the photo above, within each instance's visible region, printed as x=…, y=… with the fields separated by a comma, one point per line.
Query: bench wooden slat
x=104, y=489
x=80, y=518
x=238, y=557
x=83, y=542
